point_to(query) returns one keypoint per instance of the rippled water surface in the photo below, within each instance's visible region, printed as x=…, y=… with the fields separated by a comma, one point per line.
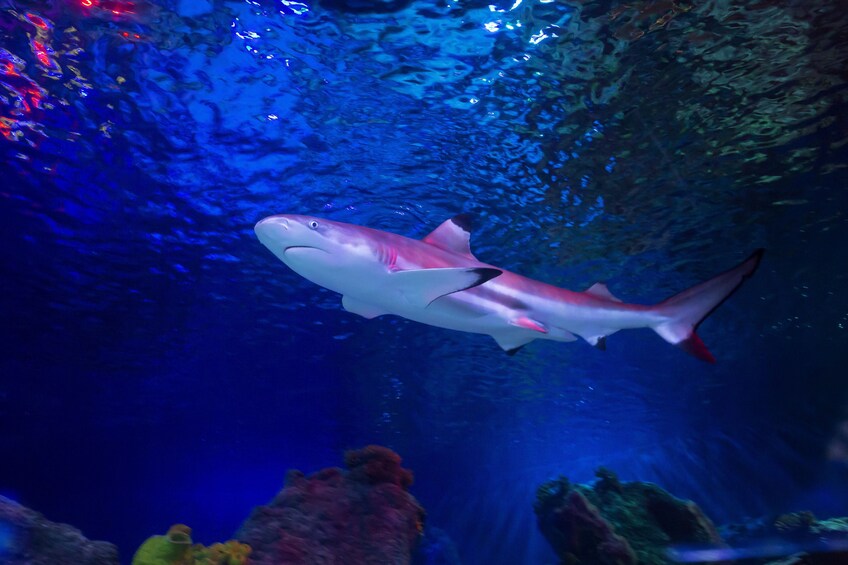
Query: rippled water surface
x=160, y=366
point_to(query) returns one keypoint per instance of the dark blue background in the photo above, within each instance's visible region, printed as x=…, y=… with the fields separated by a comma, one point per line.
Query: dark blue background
x=159, y=366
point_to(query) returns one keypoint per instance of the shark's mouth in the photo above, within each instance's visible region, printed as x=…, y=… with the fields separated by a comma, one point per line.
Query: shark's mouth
x=299, y=248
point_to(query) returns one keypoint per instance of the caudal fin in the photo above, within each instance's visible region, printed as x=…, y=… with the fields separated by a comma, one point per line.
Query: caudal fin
x=684, y=312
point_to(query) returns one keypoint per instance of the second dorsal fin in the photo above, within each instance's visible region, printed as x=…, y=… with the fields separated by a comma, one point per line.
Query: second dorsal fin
x=453, y=235
x=600, y=290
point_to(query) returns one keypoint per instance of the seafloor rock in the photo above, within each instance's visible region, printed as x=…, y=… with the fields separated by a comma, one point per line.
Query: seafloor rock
x=614, y=523
x=28, y=538
x=809, y=541
x=360, y=516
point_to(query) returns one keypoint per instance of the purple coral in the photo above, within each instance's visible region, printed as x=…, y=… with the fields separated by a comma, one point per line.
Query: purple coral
x=580, y=534
x=363, y=515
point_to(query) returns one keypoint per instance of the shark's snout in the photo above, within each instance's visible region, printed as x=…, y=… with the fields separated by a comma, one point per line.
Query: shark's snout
x=271, y=223
x=272, y=229
x=288, y=234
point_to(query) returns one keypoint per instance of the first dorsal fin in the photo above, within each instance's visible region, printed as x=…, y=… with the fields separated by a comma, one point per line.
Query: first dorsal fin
x=453, y=235
x=600, y=290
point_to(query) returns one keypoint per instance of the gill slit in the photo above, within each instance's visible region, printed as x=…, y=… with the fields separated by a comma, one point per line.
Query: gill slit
x=388, y=256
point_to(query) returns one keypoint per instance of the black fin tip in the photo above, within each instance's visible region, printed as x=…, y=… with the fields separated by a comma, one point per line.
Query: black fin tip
x=463, y=221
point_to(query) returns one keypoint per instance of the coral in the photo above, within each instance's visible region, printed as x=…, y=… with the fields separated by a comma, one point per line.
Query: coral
x=361, y=515
x=617, y=523
x=27, y=538
x=797, y=522
x=580, y=535
x=179, y=534
x=816, y=538
x=377, y=464
x=549, y=495
x=230, y=553
x=607, y=481
x=809, y=541
x=175, y=548
x=831, y=526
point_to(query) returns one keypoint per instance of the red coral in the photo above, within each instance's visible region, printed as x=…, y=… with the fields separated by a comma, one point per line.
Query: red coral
x=376, y=464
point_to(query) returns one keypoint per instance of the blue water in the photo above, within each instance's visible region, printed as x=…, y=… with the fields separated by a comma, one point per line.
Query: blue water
x=159, y=365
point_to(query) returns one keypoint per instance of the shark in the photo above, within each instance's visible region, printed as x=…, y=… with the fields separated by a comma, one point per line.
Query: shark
x=438, y=281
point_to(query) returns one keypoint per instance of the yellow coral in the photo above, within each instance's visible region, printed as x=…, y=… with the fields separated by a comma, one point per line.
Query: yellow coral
x=171, y=549
x=175, y=548
x=230, y=553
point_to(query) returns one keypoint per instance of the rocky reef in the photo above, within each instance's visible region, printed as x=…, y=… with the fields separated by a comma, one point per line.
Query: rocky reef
x=800, y=535
x=615, y=523
x=28, y=538
x=636, y=523
x=363, y=515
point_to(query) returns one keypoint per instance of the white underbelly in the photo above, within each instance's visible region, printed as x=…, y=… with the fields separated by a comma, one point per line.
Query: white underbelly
x=452, y=314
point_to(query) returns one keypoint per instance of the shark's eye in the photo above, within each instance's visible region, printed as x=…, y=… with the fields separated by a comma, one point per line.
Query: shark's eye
x=313, y=224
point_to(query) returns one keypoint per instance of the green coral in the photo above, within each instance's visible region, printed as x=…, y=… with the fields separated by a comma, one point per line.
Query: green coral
x=797, y=522
x=607, y=481
x=550, y=494
x=833, y=525
x=175, y=548
x=805, y=522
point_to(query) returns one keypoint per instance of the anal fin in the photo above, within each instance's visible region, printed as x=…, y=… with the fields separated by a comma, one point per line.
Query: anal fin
x=598, y=341
x=513, y=341
x=514, y=350
x=362, y=308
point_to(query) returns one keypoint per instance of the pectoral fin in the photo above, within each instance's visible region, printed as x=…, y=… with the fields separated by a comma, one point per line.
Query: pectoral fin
x=362, y=308
x=422, y=286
